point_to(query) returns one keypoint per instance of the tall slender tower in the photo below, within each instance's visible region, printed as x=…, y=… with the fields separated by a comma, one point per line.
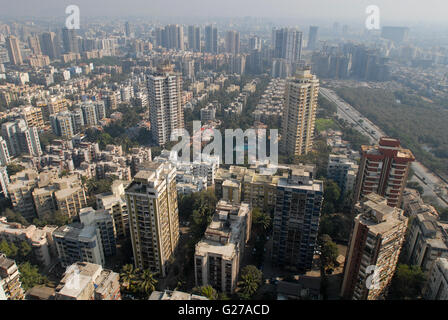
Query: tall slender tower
x=69, y=40
x=153, y=216
x=13, y=46
x=233, y=42
x=211, y=39
x=383, y=170
x=165, y=103
x=373, y=250
x=312, y=37
x=287, y=44
x=299, y=113
x=48, y=45
x=194, y=38
x=296, y=218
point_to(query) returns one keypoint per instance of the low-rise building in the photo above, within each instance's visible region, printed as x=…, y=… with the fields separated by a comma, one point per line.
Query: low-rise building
x=88, y=281
x=437, y=286
x=77, y=242
x=10, y=284
x=174, y=295
x=40, y=239
x=343, y=171
x=218, y=255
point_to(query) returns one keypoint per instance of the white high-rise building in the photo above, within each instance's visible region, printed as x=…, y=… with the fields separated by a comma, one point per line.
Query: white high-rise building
x=21, y=139
x=153, y=216
x=165, y=104
x=299, y=113
x=4, y=152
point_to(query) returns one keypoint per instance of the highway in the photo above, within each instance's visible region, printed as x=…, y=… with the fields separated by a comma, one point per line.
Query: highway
x=430, y=182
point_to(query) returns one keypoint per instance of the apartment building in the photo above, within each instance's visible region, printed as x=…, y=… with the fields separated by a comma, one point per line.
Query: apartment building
x=5, y=158
x=375, y=244
x=104, y=222
x=21, y=139
x=153, y=216
x=71, y=200
x=4, y=182
x=297, y=210
x=77, y=242
x=383, y=170
x=426, y=241
x=88, y=281
x=437, y=286
x=343, y=171
x=299, y=113
x=218, y=255
x=40, y=239
x=413, y=204
x=165, y=103
x=10, y=282
x=115, y=204
x=46, y=196
x=20, y=192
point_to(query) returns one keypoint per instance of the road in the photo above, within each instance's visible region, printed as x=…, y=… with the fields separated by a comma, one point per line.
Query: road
x=430, y=182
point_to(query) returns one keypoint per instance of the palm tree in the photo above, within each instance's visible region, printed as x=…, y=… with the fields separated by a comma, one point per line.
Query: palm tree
x=206, y=291
x=265, y=221
x=249, y=285
x=147, y=283
x=127, y=276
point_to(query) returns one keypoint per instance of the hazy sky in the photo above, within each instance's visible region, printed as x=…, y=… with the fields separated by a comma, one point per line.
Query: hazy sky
x=417, y=11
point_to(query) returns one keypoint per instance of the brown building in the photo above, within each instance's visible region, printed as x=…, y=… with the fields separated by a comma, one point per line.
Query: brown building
x=383, y=170
x=375, y=244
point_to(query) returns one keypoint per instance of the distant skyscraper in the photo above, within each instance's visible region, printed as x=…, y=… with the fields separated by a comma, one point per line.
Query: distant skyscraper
x=383, y=170
x=70, y=40
x=153, y=216
x=375, y=245
x=194, y=38
x=128, y=30
x=13, y=46
x=172, y=37
x=49, y=46
x=34, y=44
x=397, y=34
x=232, y=42
x=165, y=103
x=312, y=37
x=288, y=44
x=296, y=218
x=299, y=114
x=211, y=39
x=254, y=43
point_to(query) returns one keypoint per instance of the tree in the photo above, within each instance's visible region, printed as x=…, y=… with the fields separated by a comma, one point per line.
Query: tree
x=24, y=250
x=14, y=168
x=146, y=282
x=4, y=248
x=206, y=291
x=261, y=220
x=416, y=186
x=407, y=283
x=332, y=195
x=30, y=276
x=329, y=252
x=251, y=279
x=13, y=216
x=127, y=276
